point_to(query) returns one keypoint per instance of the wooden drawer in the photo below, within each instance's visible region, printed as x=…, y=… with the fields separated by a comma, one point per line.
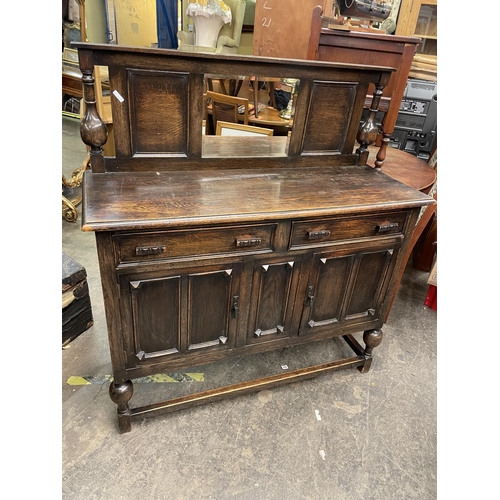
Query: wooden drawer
x=319, y=232
x=184, y=243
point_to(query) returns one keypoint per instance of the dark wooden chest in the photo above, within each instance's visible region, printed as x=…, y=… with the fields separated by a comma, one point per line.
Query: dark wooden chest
x=76, y=307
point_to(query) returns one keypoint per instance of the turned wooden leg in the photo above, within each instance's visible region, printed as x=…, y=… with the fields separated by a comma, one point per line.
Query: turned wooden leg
x=382, y=152
x=372, y=339
x=120, y=394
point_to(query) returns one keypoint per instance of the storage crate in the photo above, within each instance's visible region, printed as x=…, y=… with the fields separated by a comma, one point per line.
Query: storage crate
x=76, y=307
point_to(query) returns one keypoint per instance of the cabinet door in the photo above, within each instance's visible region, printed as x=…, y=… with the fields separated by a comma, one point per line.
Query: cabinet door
x=345, y=287
x=274, y=287
x=191, y=310
x=156, y=322
x=212, y=302
x=368, y=284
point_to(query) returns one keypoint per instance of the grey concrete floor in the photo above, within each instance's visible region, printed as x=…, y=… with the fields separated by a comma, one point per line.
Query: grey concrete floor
x=339, y=436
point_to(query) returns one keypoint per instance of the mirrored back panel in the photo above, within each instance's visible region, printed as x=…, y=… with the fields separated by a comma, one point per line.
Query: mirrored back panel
x=171, y=109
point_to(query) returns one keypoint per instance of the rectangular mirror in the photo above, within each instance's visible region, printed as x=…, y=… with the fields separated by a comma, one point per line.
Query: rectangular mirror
x=256, y=115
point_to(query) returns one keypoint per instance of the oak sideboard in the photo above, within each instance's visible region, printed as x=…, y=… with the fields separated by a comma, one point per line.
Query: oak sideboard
x=212, y=247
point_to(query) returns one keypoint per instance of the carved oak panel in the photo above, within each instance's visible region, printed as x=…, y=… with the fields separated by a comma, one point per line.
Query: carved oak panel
x=155, y=311
x=326, y=289
x=272, y=300
x=212, y=304
x=345, y=286
x=328, y=117
x=369, y=284
x=158, y=111
x=186, y=310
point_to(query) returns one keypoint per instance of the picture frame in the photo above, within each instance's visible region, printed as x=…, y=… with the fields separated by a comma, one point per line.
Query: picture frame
x=248, y=20
x=238, y=129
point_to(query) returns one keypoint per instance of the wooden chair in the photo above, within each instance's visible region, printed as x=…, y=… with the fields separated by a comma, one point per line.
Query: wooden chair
x=227, y=86
x=255, y=83
x=204, y=121
x=225, y=108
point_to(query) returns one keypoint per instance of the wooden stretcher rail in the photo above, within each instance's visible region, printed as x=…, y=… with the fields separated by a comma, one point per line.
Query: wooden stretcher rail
x=252, y=386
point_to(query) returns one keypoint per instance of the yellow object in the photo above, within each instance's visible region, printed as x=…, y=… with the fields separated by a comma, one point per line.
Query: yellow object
x=209, y=8
x=78, y=381
x=206, y=3
x=135, y=22
x=158, y=378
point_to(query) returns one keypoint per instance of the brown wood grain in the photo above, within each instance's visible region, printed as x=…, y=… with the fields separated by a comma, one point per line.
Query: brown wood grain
x=167, y=199
x=406, y=168
x=157, y=104
x=371, y=48
x=282, y=29
x=210, y=249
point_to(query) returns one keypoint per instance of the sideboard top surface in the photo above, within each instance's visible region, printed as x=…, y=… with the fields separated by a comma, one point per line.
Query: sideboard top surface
x=153, y=200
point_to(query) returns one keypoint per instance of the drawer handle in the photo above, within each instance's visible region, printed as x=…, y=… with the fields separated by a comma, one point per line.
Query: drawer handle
x=310, y=296
x=236, y=308
x=384, y=228
x=316, y=235
x=150, y=250
x=248, y=242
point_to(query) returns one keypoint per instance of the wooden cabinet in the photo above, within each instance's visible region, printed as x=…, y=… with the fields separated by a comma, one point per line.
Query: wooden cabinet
x=210, y=250
x=176, y=306
x=369, y=48
x=419, y=18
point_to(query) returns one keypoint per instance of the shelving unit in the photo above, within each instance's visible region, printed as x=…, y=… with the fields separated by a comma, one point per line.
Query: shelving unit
x=419, y=18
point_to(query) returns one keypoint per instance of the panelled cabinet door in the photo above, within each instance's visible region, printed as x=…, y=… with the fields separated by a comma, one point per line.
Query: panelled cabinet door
x=188, y=311
x=368, y=284
x=155, y=306
x=344, y=287
x=272, y=299
x=212, y=301
x=326, y=290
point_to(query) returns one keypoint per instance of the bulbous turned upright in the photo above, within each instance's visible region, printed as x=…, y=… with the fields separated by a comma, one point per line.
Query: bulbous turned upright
x=120, y=394
x=369, y=130
x=93, y=130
